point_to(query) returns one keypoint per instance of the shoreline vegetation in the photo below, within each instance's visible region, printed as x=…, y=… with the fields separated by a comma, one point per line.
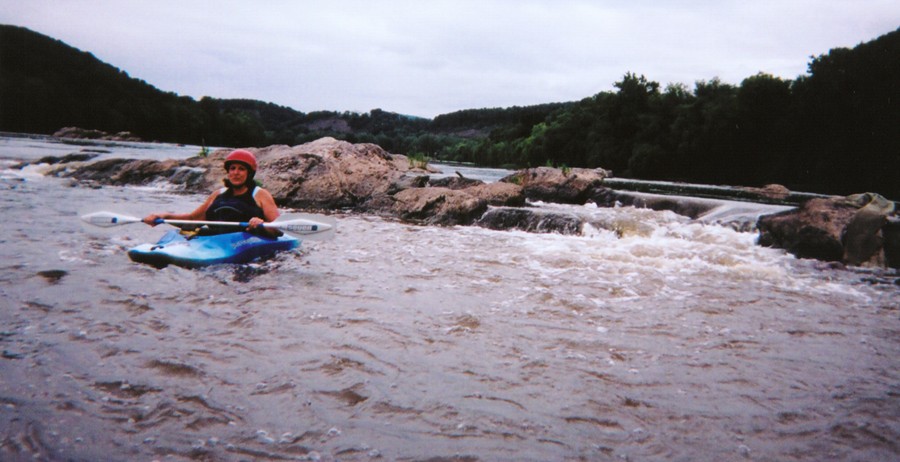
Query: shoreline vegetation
x=831, y=131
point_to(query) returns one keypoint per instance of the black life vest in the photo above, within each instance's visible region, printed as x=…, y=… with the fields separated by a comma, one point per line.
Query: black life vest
x=228, y=207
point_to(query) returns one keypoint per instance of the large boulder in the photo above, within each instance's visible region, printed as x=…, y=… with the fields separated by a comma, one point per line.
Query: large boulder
x=445, y=206
x=567, y=185
x=438, y=206
x=329, y=173
x=865, y=235
x=498, y=194
x=856, y=230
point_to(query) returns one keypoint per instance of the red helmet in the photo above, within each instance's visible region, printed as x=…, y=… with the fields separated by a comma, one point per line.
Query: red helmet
x=243, y=156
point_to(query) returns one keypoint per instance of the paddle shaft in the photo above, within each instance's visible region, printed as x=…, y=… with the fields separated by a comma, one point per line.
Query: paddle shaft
x=107, y=219
x=237, y=224
x=296, y=225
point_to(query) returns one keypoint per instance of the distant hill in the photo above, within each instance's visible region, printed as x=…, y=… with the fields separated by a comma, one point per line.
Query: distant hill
x=46, y=84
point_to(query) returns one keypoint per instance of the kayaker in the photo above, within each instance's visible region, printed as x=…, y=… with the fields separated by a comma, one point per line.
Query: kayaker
x=240, y=200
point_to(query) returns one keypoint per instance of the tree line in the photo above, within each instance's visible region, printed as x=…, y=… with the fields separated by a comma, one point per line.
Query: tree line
x=833, y=130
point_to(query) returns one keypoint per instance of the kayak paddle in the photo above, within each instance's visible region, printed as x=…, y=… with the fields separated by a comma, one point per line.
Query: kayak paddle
x=297, y=226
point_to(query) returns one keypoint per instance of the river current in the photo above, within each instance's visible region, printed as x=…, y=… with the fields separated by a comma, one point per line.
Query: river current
x=649, y=337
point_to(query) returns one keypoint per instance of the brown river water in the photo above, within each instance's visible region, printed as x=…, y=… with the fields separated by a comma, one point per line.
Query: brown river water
x=650, y=337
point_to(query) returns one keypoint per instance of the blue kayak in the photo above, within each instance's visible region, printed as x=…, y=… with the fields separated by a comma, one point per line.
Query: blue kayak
x=197, y=251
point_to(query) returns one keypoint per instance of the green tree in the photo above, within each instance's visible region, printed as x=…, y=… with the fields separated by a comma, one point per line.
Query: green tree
x=764, y=130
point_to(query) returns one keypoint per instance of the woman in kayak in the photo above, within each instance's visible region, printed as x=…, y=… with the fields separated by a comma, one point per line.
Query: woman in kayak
x=240, y=200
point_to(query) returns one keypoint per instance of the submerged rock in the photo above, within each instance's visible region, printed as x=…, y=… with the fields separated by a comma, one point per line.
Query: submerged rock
x=188, y=174
x=531, y=220
x=54, y=160
x=53, y=276
x=682, y=205
x=89, y=134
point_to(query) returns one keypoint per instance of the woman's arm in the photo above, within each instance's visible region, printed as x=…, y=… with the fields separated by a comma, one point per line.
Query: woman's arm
x=266, y=202
x=198, y=214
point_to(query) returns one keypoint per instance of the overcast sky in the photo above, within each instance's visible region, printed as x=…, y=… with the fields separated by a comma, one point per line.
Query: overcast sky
x=431, y=57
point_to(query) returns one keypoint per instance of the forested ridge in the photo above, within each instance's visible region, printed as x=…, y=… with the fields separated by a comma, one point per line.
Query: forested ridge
x=835, y=129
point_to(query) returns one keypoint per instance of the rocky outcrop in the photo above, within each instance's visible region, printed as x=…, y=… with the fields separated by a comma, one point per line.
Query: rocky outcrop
x=499, y=194
x=856, y=230
x=191, y=175
x=445, y=206
x=437, y=206
x=326, y=174
x=565, y=186
x=863, y=238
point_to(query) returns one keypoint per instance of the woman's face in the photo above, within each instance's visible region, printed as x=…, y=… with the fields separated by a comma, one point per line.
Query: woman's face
x=237, y=174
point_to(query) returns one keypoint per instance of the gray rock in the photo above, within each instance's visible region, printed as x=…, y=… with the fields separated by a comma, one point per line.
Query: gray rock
x=565, y=186
x=855, y=230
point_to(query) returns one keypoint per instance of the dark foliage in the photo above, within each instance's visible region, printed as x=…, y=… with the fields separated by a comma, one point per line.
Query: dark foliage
x=833, y=130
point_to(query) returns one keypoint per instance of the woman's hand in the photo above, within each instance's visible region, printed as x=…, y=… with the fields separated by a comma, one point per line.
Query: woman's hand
x=255, y=223
x=153, y=219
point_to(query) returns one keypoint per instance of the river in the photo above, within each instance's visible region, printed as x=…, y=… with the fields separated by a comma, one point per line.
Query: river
x=650, y=337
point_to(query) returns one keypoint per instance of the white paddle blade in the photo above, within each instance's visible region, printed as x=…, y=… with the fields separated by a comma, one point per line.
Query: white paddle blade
x=310, y=227
x=108, y=219
x=303, y=227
